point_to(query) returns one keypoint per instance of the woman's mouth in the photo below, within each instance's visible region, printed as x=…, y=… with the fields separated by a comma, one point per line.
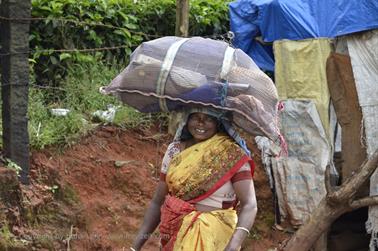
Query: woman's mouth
x=200, y=131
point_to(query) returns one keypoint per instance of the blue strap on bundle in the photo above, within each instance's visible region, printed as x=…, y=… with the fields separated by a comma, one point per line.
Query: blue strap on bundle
x=223, y=94
x=207, y=93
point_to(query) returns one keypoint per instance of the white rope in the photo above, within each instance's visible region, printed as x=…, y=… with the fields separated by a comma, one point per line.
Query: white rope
x=165, y=69
x=227, y=61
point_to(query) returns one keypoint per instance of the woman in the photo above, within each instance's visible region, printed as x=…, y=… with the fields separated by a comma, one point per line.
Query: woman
x=203, y=176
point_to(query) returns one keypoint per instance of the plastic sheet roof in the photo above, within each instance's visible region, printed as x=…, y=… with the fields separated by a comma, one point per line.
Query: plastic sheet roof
x=296, y=20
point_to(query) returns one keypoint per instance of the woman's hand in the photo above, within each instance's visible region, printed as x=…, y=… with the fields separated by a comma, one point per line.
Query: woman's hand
x=245, y=193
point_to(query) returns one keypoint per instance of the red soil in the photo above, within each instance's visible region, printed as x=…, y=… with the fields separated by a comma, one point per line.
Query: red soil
x=113, y=173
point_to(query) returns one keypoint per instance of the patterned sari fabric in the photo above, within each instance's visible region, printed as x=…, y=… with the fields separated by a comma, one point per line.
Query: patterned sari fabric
x=193, y=175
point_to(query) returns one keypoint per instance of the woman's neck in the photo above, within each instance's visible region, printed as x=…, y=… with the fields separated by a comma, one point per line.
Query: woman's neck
x=187, y=143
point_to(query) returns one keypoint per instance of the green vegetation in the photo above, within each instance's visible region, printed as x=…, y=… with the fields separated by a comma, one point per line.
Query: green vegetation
x=11, y=165
x=71, y=79
x=79, y=93
x=88, y=24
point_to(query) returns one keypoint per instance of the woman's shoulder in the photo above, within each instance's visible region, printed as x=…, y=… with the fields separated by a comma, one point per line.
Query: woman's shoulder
x=172, y=149
x=174, y=145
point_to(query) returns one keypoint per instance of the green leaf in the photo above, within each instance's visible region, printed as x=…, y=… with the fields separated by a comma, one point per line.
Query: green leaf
x=64, y=56
x=128, y=51
x=125, y=17
x=131, y=26
x=123, y=32
x=31, y=60
x=85, y=58
x=54, y=60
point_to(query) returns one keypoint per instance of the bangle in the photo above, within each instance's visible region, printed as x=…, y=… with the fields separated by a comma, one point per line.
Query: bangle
x=244, y=229
x=132, y=249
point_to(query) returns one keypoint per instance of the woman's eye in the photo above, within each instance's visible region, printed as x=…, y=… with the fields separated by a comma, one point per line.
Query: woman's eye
x=206, y=119
x=196, y=118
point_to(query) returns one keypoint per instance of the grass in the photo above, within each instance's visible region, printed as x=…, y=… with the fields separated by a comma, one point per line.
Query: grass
x=78, y=93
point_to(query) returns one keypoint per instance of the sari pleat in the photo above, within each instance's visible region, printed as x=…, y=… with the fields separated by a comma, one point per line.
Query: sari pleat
x=209, y=232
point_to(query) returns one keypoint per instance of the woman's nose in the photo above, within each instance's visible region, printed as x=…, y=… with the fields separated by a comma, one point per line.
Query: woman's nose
x=200, y=121
x=201, y=118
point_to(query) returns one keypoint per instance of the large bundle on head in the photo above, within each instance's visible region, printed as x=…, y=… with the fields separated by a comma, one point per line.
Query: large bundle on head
x=172, y=73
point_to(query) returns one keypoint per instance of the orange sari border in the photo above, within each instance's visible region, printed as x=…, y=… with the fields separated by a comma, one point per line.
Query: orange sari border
x=223, y=180
x=196, y=170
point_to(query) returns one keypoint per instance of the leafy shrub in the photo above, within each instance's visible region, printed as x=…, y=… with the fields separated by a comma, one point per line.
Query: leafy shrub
x=71, y=24
x=56, y=32
x=208, y=18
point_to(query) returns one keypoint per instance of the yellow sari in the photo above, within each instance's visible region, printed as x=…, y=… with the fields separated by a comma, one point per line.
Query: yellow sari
x=193, y=175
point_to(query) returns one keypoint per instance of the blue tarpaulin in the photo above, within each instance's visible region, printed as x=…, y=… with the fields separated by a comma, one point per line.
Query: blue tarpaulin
x=296, y=20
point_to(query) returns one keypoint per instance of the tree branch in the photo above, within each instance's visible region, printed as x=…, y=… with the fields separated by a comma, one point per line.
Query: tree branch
x=364, y=202
x=327, y=179
x=349, y=188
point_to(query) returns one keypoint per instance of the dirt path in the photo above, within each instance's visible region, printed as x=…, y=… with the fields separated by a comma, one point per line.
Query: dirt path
x=111, y=175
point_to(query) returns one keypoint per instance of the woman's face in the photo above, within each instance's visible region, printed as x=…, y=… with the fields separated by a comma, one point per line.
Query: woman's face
x=202, y=126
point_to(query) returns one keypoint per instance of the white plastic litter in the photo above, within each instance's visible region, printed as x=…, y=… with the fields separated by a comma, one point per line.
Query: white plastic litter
x=107, y=115
x=59, y=111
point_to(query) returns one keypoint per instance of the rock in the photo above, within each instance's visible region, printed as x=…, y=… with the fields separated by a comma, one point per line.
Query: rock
x=121, y=163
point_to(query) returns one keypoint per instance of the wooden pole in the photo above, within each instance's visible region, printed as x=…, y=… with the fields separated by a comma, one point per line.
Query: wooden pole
x=182, y=30
x=182, y=18
x=15, y=80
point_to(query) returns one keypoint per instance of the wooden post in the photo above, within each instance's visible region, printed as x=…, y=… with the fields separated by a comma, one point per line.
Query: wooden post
x=182, y=30
x=182, y=18
x=15, y=80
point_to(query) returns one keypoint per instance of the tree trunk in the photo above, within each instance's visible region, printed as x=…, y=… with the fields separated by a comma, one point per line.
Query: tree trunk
x=337, y=202
x=182, y=18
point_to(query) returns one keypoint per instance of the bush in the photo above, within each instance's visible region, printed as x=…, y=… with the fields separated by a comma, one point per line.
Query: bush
x=71, y=24
x=55, y=32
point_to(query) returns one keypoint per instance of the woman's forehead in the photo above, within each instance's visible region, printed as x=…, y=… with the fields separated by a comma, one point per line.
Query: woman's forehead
x=201, y=114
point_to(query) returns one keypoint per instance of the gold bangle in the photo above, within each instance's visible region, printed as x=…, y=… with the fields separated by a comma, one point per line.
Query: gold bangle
x=244, y=229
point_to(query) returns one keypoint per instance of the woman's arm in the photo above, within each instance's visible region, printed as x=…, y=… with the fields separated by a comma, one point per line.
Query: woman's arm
x=245, y=193
x=152, y=216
